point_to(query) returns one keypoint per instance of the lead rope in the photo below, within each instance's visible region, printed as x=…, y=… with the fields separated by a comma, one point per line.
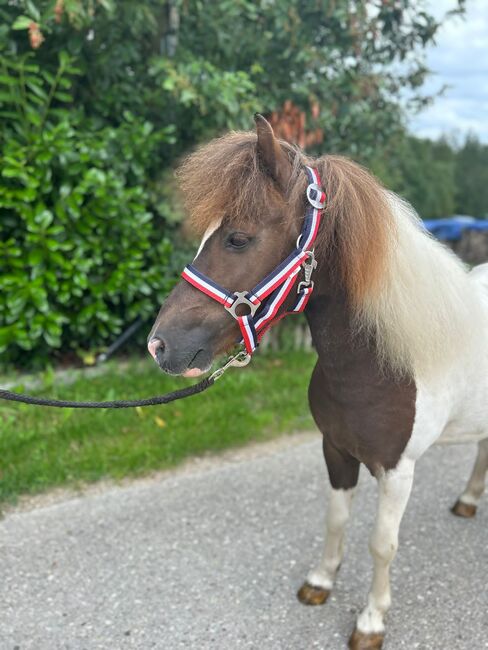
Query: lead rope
x=238, y=360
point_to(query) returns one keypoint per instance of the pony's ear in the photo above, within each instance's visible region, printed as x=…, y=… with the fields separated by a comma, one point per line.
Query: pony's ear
x=271, y=155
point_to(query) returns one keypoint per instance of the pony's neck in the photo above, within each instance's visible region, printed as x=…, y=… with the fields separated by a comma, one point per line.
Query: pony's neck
x=342, y=351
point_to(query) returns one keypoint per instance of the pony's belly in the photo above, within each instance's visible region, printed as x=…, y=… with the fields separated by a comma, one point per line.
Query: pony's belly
x=455, y=435
x=469, y=421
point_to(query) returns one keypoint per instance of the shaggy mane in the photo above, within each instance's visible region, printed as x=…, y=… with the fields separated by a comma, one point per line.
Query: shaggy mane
x=403, y=287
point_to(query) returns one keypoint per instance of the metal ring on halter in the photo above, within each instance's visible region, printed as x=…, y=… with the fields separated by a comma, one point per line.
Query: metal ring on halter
x=241, y=299
x=313, y=187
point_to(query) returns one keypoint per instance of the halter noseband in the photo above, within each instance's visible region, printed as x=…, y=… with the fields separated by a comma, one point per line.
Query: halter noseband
x=276, y=285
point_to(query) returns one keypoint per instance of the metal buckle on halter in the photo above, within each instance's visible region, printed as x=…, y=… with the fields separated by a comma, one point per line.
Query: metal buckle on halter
x=304, y=285
x=308, y=265
x=239, y=360
x=313, y=187
x=241, y=299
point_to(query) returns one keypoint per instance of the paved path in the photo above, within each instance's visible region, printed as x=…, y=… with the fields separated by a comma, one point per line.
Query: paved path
x=211, y=557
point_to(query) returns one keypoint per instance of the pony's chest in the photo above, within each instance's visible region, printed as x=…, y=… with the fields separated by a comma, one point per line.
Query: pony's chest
x=369, y=418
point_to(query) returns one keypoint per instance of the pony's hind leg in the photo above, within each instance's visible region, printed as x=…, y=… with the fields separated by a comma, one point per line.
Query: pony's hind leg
x=343, y=473
x=467, y=503
x=393, y=494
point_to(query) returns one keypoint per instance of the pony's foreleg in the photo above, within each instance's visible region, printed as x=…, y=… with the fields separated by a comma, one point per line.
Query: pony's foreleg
x=343, y=473
x=394, y=491
x=467, y=503
x=318, y=584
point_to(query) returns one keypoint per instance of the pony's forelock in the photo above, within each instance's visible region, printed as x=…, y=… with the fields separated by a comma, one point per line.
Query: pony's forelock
x=225, y=180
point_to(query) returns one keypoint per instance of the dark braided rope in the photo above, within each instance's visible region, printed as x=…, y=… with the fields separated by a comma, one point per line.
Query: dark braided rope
x=115, y=404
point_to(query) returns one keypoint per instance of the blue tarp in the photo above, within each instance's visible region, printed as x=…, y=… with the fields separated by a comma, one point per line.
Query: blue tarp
x=452, y=228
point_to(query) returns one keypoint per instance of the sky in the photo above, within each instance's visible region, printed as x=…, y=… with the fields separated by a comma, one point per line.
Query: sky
x=460, y=61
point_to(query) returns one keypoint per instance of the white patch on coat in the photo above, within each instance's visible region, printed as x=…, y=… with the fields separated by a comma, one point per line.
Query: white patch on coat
x=208, y=233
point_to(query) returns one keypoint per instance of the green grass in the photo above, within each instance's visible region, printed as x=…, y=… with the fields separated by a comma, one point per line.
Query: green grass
x=42, y=448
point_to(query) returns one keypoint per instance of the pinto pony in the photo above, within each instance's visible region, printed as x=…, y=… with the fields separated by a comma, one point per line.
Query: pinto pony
x=400, y=328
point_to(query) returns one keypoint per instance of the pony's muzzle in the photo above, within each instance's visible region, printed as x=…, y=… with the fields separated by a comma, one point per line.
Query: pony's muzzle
x=180, y=352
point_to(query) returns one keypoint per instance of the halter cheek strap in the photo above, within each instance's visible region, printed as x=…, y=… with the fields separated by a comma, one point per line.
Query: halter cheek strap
x=264, y=301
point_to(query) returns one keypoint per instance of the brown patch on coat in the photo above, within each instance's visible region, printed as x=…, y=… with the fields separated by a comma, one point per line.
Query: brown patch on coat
x=365, y=412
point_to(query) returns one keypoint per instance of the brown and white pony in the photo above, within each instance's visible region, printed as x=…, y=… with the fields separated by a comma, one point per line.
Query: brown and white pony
x=399, y=325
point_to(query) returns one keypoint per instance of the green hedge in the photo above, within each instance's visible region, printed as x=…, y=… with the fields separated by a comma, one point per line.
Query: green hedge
x=82, y=253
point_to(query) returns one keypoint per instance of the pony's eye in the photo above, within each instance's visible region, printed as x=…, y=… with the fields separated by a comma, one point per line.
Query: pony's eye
x=237, y=240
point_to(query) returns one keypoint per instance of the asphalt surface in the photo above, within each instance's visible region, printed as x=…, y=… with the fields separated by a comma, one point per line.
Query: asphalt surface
x=211, y=557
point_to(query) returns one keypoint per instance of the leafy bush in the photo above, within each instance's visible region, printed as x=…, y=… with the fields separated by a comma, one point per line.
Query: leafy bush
x=81, y=252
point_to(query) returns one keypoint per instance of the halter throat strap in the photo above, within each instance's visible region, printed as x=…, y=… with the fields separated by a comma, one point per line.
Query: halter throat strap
x=263, y=302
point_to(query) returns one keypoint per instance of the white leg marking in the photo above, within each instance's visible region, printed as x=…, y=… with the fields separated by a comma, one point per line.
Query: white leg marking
x=393, y=492
x=476, y=483
x=338, y=511
x=208, y=233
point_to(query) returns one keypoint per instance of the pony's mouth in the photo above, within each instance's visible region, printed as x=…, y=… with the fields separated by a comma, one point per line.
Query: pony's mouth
x=193, y=372
x=198, y=365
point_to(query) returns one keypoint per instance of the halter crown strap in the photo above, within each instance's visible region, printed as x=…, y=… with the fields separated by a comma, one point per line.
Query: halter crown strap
x=276, y=286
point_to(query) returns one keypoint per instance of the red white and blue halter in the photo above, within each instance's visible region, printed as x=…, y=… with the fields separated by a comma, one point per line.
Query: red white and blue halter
x=265, y=300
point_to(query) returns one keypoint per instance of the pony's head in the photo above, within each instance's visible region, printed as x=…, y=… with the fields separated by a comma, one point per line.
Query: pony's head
x=237, y=190
x=246, y=195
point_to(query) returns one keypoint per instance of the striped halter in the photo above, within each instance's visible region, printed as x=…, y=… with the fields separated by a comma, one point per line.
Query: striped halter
x=264, y=301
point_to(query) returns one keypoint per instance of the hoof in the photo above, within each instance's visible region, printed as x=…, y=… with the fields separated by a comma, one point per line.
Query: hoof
x=310, y=595
x=361, y=641
x=461, y=509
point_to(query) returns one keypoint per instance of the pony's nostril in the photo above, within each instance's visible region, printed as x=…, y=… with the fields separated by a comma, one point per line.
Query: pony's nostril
x=160, y=355
x=154, y=346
